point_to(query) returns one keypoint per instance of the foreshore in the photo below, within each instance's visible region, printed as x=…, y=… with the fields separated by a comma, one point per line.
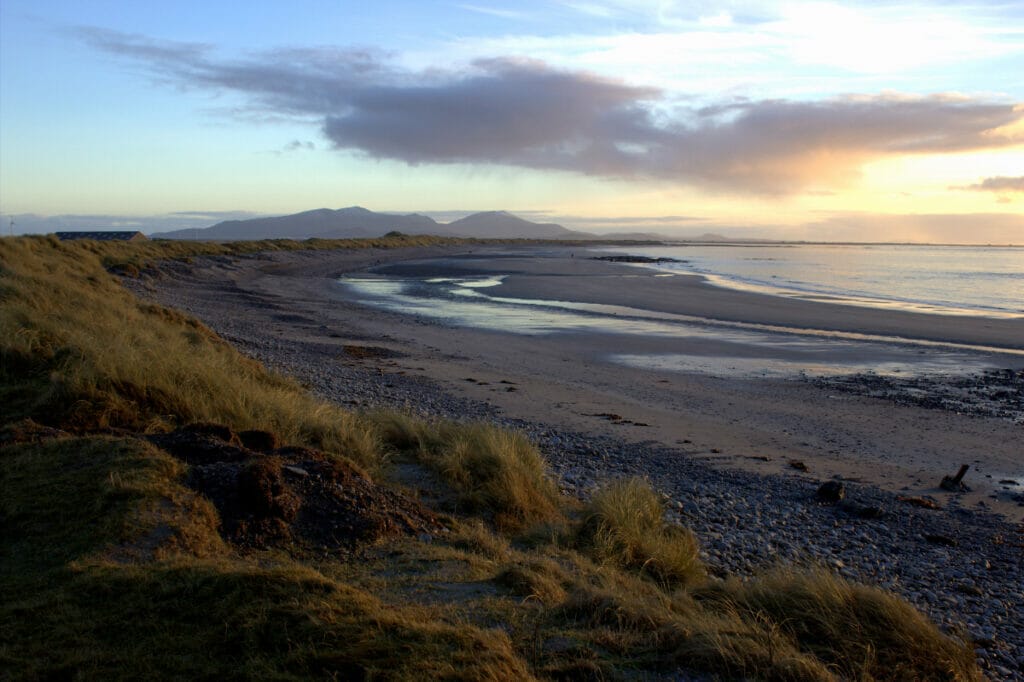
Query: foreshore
x=724, y=450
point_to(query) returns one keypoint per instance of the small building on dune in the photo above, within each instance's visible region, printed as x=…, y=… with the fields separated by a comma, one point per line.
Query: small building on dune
x=104, y=236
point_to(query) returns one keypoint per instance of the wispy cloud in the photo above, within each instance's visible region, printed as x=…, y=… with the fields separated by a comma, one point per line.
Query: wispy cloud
x=632, y=220
x=999, y=184
x=809, y=46
x=1004, y=187
x=299, y=146
x=526, y=113
x=499, y=12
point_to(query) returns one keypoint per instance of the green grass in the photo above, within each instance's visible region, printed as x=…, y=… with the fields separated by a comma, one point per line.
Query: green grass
x=112, y=567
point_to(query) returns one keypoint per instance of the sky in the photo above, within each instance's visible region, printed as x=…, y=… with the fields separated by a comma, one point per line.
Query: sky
x=834, y=121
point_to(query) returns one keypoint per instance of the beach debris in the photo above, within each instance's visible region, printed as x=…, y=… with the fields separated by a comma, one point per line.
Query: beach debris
x=831, y=492
x=798, y=465
x=922, y=502
x=954, y=484
x=636, y=259
x=938, y=539
x=991, y=393
x=369, y=352
x=971, y=589
x=862, y=511
x=610, y=416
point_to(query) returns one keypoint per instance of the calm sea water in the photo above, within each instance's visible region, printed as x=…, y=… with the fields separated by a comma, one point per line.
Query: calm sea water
x=971, y=280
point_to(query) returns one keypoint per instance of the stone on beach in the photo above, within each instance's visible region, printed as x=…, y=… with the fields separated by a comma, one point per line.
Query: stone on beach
x=831, y=492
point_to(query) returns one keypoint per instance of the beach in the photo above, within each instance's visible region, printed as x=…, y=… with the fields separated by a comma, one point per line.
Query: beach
x=738, y=420
x=738, y=456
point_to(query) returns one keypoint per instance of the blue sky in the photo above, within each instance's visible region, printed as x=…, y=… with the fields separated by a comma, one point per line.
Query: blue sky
x=804, y=120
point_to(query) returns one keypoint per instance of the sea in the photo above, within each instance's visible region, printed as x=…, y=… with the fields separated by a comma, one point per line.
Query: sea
x=981, y=282
x=986, y=281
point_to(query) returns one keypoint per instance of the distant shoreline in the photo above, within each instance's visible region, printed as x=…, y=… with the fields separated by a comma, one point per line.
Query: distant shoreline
x=694, y=295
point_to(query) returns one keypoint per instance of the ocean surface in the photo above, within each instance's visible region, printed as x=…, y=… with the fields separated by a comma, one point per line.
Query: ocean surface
x=984, y=282
x=958, y=280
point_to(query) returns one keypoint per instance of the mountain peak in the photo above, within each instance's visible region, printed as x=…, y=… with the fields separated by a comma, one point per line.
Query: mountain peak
x=356, y=221
x=505, y=225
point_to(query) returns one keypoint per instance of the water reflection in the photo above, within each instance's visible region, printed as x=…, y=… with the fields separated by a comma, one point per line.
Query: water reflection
x=721, y=348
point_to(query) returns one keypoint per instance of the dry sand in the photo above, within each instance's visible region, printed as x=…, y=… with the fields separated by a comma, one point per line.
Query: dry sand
x=565, y=380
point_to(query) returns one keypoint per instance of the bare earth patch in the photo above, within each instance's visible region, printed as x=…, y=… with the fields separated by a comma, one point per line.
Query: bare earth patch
x=301, y=500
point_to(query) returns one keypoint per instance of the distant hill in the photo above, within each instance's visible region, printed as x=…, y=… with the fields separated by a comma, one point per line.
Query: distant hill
x=504, y=225
x=323, y=223
x=356, y=221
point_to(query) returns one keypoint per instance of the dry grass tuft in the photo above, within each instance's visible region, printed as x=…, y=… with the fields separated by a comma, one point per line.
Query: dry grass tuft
x=859, y=632
x=536, y=579
x=77, y=351
x=493, y=470
x=624, y=525
x=499, y=470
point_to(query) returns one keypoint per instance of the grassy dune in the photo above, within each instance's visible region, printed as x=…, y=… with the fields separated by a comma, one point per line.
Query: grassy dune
x=114, y=565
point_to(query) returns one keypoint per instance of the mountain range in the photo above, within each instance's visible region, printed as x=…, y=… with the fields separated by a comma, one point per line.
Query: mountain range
x=355, y=221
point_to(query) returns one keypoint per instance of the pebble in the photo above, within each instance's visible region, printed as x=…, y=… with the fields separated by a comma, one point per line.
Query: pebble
x=744, y=521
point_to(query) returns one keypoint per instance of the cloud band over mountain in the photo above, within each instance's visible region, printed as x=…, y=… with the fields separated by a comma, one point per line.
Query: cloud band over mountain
x=526, y=113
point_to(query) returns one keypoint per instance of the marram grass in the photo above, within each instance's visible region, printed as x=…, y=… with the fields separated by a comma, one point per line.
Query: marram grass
x=111, y=567
x=624, y=525
x=79, y=352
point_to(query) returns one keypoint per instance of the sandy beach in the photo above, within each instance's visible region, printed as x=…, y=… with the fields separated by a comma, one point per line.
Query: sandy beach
x=565, y=381
x=738, y=455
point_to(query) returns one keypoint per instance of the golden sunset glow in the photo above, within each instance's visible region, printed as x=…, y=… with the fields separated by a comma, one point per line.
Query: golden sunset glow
x=756, y=119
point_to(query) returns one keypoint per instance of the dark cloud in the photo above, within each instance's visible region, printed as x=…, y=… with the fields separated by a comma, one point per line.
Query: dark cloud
x=525, y=113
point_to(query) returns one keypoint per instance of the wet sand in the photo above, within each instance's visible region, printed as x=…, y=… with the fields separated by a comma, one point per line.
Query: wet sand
x=557, y=277
x=566, y=381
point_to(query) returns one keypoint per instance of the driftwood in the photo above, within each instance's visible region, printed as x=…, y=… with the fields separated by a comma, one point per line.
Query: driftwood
x=954, y=483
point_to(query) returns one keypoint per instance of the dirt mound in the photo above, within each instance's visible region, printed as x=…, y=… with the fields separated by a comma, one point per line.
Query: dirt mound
x=297, y=499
